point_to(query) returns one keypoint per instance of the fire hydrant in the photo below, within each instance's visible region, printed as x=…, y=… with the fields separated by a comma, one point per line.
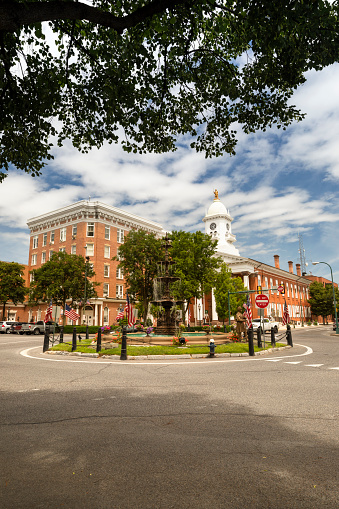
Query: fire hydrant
x=212, y=347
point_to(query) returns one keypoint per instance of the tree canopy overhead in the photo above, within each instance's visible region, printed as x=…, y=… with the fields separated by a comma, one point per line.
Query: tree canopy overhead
x=146, y=72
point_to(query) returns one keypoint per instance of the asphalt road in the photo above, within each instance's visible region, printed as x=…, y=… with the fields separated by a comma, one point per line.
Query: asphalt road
x=209, y=433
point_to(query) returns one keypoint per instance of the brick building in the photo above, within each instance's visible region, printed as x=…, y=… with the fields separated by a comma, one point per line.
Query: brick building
x=91, y=229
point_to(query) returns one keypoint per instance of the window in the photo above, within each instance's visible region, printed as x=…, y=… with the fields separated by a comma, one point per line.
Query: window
x=34, y=259
x=106, y=290
x=106, y=315
x=74, y=249
x=120, y=235
x=62, y=250
x=90, y=229
x=50, y=253
x=119, y=257
x=107, y=252
x=63, y=234
x=288, y=290
x=89, y=249
x=74, y=230
x=291, y=290
x=296, y=291
x=106, y=270
x=277, y=284
x=119, y=291
x=44, y=239
x=107, y=232
x=31, y=277
x=259, y=280
x=271, y=283
x=43, y=257
x=266, y=282
x=120, y=273
x=35, y=241
x=51, y=237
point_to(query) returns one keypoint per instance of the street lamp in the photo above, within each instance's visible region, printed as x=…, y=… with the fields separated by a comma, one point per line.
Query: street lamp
x=199, y=308
x=335, y=304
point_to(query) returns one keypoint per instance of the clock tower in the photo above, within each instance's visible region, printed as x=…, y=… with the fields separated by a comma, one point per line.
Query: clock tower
x=218, y=224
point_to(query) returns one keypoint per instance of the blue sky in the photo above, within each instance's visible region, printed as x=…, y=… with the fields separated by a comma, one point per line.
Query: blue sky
x=279, y=183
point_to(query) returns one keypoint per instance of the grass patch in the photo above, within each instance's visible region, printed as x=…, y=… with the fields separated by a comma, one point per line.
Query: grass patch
x=84, y=347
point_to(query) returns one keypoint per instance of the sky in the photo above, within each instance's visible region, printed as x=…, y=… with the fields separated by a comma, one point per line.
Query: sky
x=279, y=185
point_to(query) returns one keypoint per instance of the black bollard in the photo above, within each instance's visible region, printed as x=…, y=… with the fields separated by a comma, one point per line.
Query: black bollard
x=123, y=355
x=99, y=340
x=272, y=337
x=259, y=338
x=87, y=336
x=61, y=334
x=289, y=335
x=250, y=342
x=74, y=339
x=46, y=341
x=188, y=327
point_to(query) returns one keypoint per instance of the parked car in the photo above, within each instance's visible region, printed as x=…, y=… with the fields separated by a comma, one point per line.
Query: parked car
x=268, y=324
x=38, y=327
x=17, y=328
x=5, y=327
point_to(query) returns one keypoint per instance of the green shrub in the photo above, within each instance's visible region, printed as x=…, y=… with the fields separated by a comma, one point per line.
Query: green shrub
x=315, y=322
x=309, y=323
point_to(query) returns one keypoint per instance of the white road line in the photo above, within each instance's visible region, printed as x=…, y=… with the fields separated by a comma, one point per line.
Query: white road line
x=313, y=365
x=184, y=362
x=333, y=368
x=273, y=360
x=293, y=362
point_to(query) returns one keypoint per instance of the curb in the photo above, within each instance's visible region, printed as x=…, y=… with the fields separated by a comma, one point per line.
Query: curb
x=168, y=357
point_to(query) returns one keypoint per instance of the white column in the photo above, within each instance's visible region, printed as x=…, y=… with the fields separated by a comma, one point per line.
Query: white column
x=247, y=282
x=96, y=314
x=214, y=307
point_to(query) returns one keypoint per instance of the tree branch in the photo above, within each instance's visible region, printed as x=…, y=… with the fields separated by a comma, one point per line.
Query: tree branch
x=15, y=14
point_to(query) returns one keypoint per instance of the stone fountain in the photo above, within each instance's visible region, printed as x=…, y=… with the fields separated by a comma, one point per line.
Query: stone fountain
x=166, y=322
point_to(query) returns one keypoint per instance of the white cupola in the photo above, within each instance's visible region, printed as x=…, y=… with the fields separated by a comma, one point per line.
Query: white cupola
x=218, y=224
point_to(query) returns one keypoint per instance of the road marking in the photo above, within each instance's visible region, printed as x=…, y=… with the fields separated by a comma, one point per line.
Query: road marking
x=184, y=362
x=314, y=365
x=333, y=368
x=294, y=362
x=273, y=360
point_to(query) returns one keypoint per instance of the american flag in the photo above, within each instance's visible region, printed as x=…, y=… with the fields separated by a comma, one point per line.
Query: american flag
x=248, y=312
x=189, y=317
x=120, y=315
x=129, y=311
x=48, y=315
x=73, y=315
x=286, y=316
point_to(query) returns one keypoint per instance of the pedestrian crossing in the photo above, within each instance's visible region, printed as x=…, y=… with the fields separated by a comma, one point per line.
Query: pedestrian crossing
x=300, y=362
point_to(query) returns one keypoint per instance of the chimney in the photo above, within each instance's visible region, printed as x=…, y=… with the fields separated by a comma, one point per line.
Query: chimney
x=276, y=261
x=290, y=267
x=297, y=266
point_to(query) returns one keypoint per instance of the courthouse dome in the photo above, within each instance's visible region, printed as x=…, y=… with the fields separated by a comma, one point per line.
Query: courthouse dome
x=216, y=207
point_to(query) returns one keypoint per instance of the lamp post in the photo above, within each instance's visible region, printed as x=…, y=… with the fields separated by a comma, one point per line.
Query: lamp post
x=334, y=301
x=199, y=308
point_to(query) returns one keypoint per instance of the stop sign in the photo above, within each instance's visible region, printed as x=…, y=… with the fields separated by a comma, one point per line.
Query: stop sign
x=262, y=300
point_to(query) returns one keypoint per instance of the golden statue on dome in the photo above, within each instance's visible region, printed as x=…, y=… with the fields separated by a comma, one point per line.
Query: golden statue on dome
x=216, y=194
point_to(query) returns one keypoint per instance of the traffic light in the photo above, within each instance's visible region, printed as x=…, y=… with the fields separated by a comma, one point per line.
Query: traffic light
x=283, y=290
x=259, y=289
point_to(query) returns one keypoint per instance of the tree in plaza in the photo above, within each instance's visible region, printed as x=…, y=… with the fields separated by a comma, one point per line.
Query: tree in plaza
x=321, y=300
x=64, y=277
x=195, y=264
x=139, y=256
x=225, y=283
x=147, y=72
x=12, y=284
